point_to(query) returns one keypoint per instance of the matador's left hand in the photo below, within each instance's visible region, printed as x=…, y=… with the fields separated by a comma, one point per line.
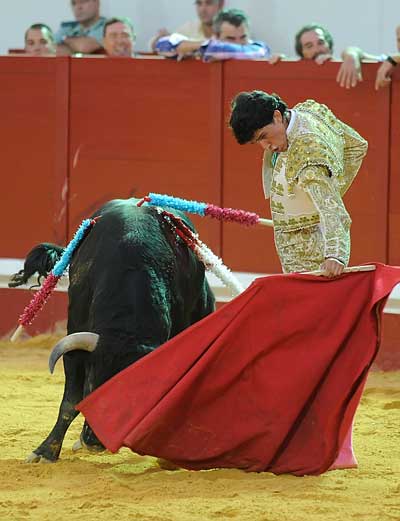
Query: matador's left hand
x=332, y=267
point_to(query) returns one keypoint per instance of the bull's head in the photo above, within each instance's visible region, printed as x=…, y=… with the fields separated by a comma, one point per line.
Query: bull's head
x=84, y=341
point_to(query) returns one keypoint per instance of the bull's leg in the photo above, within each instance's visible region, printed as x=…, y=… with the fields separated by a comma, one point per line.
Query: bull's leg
x=74, y=368
x=87, y=439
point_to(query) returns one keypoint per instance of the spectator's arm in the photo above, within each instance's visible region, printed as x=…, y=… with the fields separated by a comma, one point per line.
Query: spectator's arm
x=160, y=33
x=63, y=50
x=350, y=70
x=276, y=58
x=383, y=76
x=218, y=50
x=82, y=44
x=322, y=58
x=177, y=46
x=188, y=47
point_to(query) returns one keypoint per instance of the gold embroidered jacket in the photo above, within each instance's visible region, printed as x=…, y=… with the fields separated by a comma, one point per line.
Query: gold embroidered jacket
x=306, y=185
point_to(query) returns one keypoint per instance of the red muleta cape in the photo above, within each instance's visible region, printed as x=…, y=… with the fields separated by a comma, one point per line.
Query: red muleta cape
x=270, y=382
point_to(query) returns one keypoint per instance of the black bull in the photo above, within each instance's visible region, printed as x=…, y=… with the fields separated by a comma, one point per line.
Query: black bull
x=133, y=283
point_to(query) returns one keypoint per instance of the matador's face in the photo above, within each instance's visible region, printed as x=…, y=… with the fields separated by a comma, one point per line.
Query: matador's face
x=273, y=136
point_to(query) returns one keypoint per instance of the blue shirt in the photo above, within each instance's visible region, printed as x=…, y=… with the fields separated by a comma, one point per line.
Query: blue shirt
x=252, y=50
x=215, y=49
x=73, y=29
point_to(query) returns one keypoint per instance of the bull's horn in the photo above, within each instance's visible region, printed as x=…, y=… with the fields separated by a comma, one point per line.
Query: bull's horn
x=85, y=341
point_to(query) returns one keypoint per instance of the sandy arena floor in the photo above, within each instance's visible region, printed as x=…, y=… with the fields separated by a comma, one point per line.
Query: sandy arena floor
x=126, y=486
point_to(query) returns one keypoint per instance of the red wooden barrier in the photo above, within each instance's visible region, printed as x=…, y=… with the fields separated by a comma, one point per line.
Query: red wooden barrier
x=13, y=302
x=33, y=135
x=394, y=190
x=140, y=126
x=362, y=108
x=120, y=128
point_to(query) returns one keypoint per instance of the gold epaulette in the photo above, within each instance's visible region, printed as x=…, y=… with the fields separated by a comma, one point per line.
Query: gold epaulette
x=318, y=141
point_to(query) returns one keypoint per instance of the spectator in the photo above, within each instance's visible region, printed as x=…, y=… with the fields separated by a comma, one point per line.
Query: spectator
x=350, y=72
x=85, y=34
x=230, y=40
x=385, y=71
x=200, y=29
x=39, y=40
x=119, y=37
x=312, y=42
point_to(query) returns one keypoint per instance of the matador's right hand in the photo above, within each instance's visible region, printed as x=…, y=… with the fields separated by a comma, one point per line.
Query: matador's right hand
x=332, y=267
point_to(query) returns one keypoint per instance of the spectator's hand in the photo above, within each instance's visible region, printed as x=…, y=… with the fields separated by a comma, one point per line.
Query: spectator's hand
x=332, y=268
x=187, y=48
x=349, y=72
x=275, y=58
x=322, y=58
x=63, y=50
x=162, y=32
x=383, y=75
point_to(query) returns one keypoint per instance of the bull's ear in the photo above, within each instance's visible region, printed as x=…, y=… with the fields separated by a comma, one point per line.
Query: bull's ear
x=85, y=341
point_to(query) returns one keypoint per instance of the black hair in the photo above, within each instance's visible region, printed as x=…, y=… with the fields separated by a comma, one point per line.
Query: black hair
x=234, y=17
x=311, y=27
x=115, y=19
x=39, y=27
x=252, y=111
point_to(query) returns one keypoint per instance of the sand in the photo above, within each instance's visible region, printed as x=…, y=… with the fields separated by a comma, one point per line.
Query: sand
x=127, y=486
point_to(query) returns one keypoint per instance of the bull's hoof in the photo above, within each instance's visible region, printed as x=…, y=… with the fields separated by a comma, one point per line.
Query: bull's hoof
x=37, y=458
x=166, y=465
x=77, y=446
x=96, y=449
x=80, y=444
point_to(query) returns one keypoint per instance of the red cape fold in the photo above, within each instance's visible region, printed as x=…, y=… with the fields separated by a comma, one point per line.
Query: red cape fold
x=270, y=382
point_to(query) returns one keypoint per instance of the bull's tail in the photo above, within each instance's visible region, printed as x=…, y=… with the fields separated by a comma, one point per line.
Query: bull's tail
x=41, y=259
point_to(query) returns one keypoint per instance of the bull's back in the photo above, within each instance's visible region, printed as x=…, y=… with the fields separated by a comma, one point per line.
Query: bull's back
x=132, y=265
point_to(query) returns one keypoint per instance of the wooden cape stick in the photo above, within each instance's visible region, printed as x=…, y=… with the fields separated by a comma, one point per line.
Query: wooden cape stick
x=318, y=273
x=350, y=269
x=17, y=333
x=266, y=222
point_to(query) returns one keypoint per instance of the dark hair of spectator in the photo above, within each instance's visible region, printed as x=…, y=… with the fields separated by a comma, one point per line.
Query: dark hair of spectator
x=252, y=111
x=311, y=27
x=119, y=19
x=40, y=27
x=234, y=17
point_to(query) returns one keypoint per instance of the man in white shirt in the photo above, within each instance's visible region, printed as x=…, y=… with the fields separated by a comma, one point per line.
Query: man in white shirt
x=200, y=29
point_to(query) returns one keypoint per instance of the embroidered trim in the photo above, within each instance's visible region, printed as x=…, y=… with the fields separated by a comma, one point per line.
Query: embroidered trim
x=295, y=223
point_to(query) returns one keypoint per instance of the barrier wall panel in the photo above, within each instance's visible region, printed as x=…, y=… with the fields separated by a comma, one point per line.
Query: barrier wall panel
x=33, y=135
x=394, y=190
x=362, y=108
x=140, y=126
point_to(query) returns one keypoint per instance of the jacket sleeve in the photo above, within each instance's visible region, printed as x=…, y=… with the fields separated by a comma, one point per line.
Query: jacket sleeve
x=219, y=50
x=167, y=45
x=355, y=148
x=335, y=221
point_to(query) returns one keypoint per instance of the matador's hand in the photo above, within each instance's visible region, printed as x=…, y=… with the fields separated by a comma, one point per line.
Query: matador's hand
x=332, y=267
